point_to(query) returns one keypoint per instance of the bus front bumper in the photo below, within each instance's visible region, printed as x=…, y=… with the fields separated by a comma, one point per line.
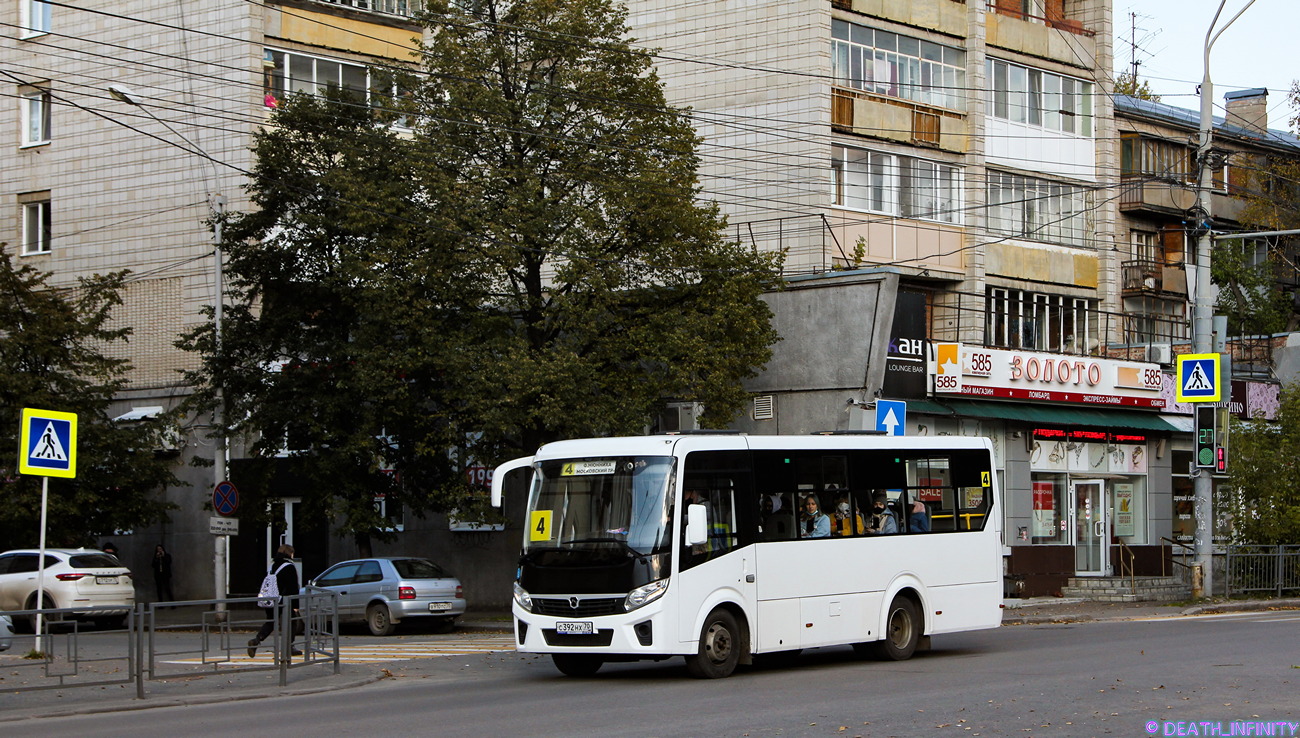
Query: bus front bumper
x=643, y=633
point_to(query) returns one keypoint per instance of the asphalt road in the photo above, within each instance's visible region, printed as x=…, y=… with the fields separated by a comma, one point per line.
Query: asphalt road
x=1085, y=679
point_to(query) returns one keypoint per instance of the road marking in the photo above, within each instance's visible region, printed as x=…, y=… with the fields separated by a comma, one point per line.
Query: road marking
x=1259, y=617
x=379, y=652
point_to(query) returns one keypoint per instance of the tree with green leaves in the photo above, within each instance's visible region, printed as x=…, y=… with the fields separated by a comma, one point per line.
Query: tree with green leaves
x=52, y=357
x=1127, y=84
x=1264, y=499
x=1251, y=274
x=511, y=251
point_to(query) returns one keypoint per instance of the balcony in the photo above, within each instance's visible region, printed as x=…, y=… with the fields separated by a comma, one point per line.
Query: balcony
x=1153, y=279
x=1153, y=196
x=400, y=8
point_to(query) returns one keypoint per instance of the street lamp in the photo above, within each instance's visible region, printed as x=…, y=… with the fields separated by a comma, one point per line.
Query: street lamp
x=217, y=205
x=1203, y=308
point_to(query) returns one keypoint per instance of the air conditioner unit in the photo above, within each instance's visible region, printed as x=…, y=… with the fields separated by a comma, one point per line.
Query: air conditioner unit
x=1160, y=353
x=170, y=441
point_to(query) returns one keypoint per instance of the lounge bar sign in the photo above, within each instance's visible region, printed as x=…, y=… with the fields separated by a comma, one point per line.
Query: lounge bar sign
x=975, y=371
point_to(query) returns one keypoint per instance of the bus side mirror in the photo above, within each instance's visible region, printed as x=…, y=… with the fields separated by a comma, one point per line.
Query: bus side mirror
x=697, y=525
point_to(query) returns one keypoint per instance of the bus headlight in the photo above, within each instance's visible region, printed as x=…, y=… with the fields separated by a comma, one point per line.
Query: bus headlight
x=645, y=594
x=523, y=598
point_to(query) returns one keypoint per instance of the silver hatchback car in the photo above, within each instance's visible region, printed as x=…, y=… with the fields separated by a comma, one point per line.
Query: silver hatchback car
x=384, y=591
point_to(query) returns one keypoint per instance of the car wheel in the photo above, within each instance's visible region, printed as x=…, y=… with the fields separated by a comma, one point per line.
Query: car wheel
x=379, y=621
x=50, y=618
x=902, y=631
x=719, y=649
x=577, y=665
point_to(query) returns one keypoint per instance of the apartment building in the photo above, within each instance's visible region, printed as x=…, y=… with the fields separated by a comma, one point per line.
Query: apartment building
x=1158, y=219
x=942, y=176
x=135, y=123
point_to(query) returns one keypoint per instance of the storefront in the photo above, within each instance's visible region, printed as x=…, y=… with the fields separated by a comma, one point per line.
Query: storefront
x=1083, y=442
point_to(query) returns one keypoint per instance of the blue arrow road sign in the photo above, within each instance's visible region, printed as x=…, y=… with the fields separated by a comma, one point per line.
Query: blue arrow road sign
x=48, y=443
x=891, y=417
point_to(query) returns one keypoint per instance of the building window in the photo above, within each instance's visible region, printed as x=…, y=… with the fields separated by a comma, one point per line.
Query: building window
x=286, y=72
x=404, y=8
x=1144, y=245
x=895, y=185
x=289, y=72
x=1038, y=98
x=34, y=18
x=899, y=66
x=1034, y=321
x=35, y=116
x=36, y=227
x=1155, y=158
x=1037, y=209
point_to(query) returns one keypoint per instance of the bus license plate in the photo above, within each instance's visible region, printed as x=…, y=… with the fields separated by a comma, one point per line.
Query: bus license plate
x=439, y=606
x=579, y=627
x=105, y=580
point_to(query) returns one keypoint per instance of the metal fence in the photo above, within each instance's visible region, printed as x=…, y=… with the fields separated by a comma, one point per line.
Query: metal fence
x=1271, y=569
x=165, y=640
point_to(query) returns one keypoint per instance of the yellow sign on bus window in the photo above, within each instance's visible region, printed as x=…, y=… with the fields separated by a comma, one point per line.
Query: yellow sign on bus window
x=984, y=479
x=539, y=525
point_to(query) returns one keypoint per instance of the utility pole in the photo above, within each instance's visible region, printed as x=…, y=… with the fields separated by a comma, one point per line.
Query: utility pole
x=1203, y=307
x=217, y=208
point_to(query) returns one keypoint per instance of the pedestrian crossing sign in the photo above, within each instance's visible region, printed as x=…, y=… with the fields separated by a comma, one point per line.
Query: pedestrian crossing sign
x=48, y=443
x=1198, y=378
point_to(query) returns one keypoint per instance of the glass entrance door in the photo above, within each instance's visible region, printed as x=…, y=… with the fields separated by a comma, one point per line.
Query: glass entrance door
x=1091, y=528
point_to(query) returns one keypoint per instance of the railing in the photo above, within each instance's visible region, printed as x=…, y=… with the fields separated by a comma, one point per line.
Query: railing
x=1153, y=277
x=1272, y=569
x=1126, y=564
x=963, y=317
x=70, y=655
x=1053, y=18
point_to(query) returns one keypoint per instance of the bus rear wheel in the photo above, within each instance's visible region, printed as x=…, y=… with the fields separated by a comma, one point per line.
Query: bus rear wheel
x=577, y=665
x=719, y=649
x=902, y=631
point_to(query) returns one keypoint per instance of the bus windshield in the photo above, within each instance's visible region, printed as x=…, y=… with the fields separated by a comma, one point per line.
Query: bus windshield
x=621, y=502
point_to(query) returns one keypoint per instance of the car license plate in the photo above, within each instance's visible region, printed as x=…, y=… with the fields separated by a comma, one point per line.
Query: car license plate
x=578, y=627
x=105, y=580
x=439, y=606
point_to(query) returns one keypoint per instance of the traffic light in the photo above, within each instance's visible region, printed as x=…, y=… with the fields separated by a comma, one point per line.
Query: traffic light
x=1206, y=435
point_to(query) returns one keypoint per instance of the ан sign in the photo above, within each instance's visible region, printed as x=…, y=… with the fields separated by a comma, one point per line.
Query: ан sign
x=1027, y=375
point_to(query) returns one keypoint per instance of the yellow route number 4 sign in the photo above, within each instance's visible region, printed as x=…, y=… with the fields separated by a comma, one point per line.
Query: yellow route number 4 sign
x=539, y=525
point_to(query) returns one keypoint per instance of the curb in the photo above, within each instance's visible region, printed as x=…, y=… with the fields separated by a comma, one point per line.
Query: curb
x=237, y=695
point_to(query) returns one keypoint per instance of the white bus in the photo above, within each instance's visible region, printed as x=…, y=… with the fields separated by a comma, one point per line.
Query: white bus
x=698, y=545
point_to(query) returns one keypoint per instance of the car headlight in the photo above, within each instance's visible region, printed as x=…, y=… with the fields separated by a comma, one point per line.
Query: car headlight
x=645, y=594
x=523, y=598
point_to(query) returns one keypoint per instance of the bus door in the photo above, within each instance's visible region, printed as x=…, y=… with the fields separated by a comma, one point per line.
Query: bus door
x=1091, y=528
x=723, y=567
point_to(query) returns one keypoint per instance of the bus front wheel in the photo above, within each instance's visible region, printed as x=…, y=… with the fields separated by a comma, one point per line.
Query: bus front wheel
x=719, y=648
x=902, y=631
x=577, y=665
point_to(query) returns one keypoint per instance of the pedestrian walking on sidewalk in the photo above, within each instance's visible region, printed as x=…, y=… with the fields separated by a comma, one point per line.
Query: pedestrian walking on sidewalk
x=162, y=574
x=286, y=577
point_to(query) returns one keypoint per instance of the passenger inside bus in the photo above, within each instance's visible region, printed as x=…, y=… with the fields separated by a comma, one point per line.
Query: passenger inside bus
x=777, y=518
x=882, y=518
x=814, y=524
x=918, y=518
x=845, y=520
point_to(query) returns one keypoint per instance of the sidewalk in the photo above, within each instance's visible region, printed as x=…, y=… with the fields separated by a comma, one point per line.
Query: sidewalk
x=205, y=685
x=1046, y=610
